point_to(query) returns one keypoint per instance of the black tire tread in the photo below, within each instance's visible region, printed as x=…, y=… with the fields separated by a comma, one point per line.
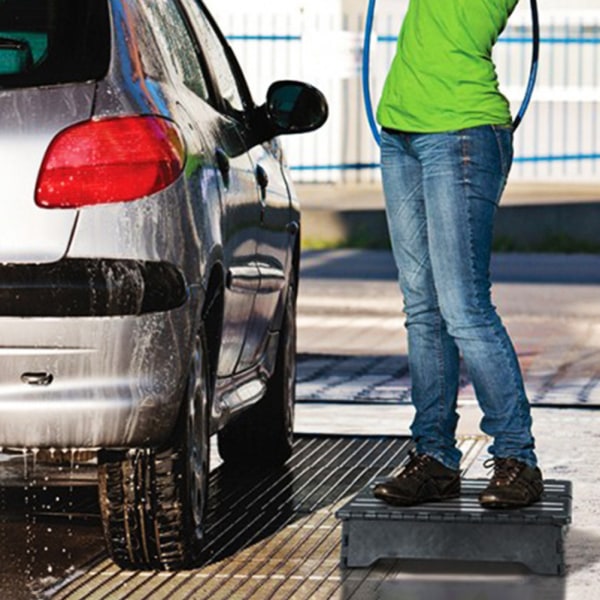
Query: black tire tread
x=142, y=511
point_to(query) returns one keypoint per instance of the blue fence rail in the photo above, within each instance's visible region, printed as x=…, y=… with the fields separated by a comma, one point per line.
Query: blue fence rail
x=558, y=140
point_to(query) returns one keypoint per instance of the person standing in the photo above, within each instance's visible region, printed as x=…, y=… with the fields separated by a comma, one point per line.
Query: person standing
x=446, y=151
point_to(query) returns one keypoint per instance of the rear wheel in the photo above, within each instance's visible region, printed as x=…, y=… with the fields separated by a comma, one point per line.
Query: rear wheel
x=153, y=503
x=264, y=433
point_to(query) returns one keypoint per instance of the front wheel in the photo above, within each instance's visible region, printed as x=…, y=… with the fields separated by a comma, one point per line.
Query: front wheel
x=264, y=433
x=153, y=503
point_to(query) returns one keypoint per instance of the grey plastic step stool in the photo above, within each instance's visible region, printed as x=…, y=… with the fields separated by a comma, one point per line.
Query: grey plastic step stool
x=459, y=529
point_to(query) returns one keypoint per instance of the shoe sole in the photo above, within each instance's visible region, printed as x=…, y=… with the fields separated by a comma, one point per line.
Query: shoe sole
x=397, y=501
x=495, y=503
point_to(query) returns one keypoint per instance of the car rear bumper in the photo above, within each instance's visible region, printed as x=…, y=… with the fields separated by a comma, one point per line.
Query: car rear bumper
x=75, y=287
x=93, y=382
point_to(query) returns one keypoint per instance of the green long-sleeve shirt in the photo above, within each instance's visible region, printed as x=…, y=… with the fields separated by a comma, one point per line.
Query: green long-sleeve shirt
x=442, y=77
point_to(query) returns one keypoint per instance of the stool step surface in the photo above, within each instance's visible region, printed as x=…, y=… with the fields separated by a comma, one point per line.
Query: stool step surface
x=458, y=529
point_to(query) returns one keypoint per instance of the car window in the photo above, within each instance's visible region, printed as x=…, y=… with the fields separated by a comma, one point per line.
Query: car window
x=46, y=42
x=176, y=44
x=230, y=89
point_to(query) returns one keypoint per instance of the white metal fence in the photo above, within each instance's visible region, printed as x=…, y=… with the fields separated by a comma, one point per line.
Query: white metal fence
x=558, y=140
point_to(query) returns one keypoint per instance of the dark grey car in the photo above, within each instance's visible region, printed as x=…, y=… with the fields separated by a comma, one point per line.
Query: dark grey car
x=149, y=248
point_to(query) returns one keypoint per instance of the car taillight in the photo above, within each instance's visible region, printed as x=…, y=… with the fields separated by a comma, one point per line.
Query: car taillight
x=109, y=160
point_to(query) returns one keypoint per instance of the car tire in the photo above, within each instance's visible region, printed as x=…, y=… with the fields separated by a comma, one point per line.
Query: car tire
x=153, y=503
x=264, y=433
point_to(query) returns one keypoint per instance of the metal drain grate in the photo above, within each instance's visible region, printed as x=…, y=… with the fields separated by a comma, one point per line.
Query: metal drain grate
x=338, y=378
x=369, y=379
x=270, y=534
x=356, y=379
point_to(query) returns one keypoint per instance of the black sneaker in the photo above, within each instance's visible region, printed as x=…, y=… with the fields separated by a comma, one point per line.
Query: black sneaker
x=513, y=485
x=423, y=479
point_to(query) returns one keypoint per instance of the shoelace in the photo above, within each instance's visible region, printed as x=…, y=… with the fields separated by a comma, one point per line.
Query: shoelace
x=506, y=470
x=415, y=465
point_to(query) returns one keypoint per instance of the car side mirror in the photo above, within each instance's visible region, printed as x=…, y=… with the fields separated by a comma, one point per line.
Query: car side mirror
x=15, y=56
x=295, y=107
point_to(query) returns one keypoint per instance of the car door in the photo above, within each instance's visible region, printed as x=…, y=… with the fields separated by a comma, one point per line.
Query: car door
x=243, y=226
x=272, y=194
x=279, y=223
x=226, y=166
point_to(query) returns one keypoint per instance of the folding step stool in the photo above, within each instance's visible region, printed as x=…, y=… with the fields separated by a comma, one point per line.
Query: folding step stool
x=459, y=529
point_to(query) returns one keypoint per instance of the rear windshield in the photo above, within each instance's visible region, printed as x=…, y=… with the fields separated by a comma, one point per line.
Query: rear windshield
x=48, y=42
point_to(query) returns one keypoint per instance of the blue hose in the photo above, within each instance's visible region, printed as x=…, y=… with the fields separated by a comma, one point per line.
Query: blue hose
x=366, y=71
x=535, y=56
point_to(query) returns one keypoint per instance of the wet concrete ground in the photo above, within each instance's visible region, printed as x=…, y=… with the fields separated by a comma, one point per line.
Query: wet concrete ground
x=349, y=305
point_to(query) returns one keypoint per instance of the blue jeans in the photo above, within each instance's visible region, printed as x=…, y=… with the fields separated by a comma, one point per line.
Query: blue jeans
x=441, y=192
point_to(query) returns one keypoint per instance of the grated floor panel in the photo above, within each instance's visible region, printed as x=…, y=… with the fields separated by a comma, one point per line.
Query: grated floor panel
x=271, y=535
x=384, y=379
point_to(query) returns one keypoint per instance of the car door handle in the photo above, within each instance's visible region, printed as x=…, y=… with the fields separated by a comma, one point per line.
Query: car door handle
x=223, y=166
x=262, y=178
